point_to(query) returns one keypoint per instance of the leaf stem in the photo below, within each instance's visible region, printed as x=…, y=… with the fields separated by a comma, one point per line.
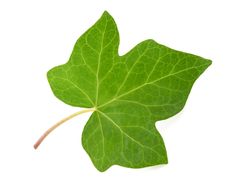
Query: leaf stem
x=58, y=124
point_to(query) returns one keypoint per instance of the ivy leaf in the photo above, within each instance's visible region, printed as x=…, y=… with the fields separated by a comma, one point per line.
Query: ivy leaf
x=129, y=94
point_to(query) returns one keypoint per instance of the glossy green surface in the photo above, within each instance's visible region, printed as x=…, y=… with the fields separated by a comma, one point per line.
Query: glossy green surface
x=130, y=93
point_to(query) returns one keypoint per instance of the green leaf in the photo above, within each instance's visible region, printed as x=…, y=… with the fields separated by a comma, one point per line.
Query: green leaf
x=129, y=93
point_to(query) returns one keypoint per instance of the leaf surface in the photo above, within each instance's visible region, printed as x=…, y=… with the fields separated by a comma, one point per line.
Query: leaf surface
x=130, y=93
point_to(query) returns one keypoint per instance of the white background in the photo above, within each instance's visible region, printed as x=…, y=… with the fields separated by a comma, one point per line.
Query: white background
x=38, y=35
